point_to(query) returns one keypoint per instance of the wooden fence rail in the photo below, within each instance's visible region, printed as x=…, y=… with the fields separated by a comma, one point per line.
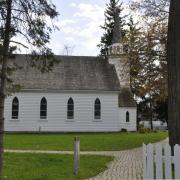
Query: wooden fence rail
x=158, y=162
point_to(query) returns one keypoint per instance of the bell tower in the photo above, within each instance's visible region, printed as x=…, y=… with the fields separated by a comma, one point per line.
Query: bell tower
x=117, y=56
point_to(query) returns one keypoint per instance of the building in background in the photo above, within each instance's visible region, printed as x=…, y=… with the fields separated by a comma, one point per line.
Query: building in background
x=80, y=94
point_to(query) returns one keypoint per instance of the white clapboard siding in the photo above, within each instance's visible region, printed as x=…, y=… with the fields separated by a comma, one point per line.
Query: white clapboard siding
x=154, y=156
x=131, y=125
x=29, y=112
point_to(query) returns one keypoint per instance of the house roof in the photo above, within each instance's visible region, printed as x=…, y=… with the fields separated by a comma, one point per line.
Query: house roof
x=71, y=73
x=126, y=98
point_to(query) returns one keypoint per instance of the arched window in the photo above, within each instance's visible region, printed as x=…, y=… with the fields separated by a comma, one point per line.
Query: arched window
x=15, y=108
x=70, y=109
x=43, y=108
x=97, y=109
x=127, y=116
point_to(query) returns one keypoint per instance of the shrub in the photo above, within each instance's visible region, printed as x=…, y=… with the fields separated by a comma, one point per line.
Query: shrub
x=143, y=130
x=123, y=130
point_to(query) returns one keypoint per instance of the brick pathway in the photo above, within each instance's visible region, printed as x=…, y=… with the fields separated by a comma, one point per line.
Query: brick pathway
x=127, y=165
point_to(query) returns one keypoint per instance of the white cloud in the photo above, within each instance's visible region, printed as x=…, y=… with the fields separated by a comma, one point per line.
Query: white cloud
x=70, y=39
x=89, y=17
x=67, y=22
x=90, y=11
x=73, y=4
x=81, y=29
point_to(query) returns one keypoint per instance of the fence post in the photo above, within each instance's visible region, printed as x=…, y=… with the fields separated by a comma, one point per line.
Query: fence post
x=144, y=161
x=167, y=162
x=177, y=161
x=76, y=155
x=150, y=165
x=159, y=161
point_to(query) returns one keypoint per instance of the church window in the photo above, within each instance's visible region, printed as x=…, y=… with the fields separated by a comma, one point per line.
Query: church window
x=97, y=109
x=70, y=109
x=15, y=108
x=127, y=116
x=43, y=108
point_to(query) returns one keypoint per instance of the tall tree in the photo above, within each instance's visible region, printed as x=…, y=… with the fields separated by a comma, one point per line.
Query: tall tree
x=173, y=56
x=147, y=58
x=155, y=12
x=27, y=19
x=152, y=8
x=149, y=72
x=106, y=39
x=132, y=45
x=161, y=7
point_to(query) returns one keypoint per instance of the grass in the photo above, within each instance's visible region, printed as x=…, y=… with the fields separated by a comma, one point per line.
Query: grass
x=89, y=141
x=51, y=166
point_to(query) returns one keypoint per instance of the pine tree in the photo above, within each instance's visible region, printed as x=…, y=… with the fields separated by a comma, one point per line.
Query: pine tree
x=106, y=39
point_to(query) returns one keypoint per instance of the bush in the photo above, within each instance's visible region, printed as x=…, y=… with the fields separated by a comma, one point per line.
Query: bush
x=123, y=130
x=143, y=130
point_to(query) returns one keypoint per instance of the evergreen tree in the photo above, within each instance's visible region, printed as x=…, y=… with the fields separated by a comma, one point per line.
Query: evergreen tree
x=106, y=39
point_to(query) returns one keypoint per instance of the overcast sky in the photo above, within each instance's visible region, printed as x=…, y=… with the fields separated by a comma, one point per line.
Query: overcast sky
x=79, y=23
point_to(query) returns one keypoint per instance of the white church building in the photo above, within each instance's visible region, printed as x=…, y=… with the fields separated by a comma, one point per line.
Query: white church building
x=80, y=94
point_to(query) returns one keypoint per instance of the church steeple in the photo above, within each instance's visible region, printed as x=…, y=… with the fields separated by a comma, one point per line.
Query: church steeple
x=116, y=47
x=117, y=29
x=116, y=56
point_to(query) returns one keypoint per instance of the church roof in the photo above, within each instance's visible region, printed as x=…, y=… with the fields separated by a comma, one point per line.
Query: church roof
x=71, y=73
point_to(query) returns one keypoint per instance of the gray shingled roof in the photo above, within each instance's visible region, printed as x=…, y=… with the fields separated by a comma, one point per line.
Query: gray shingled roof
x=126, y=98
x=71, y=73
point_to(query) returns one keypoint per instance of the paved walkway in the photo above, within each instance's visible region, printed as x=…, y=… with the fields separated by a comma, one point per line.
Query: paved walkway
x=127, y=165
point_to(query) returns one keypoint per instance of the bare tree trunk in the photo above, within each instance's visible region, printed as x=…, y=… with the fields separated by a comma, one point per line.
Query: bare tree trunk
x=3, y=80
x=173, y=55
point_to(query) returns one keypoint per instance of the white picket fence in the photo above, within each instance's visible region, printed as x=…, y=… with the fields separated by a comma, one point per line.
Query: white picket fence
x=158, y=162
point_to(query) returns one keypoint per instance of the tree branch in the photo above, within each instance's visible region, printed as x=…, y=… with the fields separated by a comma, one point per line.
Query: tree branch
x=19, y=43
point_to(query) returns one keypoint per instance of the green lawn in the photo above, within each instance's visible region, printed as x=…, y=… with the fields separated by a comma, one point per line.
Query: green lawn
x=51, y=166
x=89, y=141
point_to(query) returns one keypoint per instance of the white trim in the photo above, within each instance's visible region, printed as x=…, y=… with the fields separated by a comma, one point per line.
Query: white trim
x=43, y=120
x=14, y=120
x=97, y=120
x=70, y=120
